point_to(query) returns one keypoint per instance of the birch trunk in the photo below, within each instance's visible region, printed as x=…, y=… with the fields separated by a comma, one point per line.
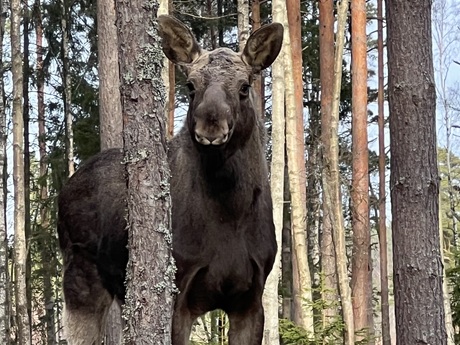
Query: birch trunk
x=383, y=246
x=243, y=23
x=20, y=250
x=270, y=297
x=302, y=293
x=331, y=185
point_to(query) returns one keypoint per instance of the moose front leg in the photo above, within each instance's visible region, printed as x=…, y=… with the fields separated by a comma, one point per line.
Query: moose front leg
x=246, y=328
x=182, y=322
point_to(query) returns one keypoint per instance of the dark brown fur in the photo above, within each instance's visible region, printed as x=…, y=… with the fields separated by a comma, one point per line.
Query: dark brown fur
x=223, y=234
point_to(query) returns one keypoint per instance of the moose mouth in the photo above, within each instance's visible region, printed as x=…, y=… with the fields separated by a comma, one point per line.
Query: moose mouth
x=215, y=139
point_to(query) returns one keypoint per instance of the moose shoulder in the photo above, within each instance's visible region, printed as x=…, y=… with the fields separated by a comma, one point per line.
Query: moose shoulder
x=223, y=234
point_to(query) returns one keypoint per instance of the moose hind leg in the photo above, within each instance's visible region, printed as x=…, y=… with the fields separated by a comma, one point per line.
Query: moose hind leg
x=86, y=303
x=246, y=327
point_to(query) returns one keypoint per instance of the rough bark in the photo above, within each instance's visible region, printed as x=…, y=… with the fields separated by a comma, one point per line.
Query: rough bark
x=150, y=278
x=383, y=247
x=329, y=289
x=414, y=180
x=360, y=289
x=243, y=23
x=110, y=118
x=302, y=293
x=270, y=297
x=20, y=250
x=331, y=179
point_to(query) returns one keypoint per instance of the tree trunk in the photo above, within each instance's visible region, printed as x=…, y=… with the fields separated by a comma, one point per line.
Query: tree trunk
x=67, y=84
x=414, y=180
x=302, y=293
x=383, y=248
x=110, y=118
x=243, y=23
x=4, y=262
x=270, y=297
x=25, y=115
x=20, y=250
x=328, y=263
x=148, y=311
x=331, y=179
x=360, y=289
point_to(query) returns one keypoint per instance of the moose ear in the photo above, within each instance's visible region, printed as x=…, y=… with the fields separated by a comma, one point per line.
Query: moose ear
x=178, y=42
x=263, y=46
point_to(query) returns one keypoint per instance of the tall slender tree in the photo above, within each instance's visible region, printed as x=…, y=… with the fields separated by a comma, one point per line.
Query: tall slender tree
x=20, y=250
x=328, y=262
x=4, y=262
x=148, y=317
x=360, y=289
x=414, y=179
x=383, y=247
x=331, y=181
x=303, y=313
x=67, y=83
x=243, y=23
x=270, y=297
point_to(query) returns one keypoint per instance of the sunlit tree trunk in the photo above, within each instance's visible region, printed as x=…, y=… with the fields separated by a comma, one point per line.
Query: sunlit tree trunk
x=383, y=247
x=67, y=96
x=331, y=180
x=270, y=297
x=20, y=250
x=243, y=23
x=4, y=276
x=148, y=316
x=360, y=289
x=26, y=117
x=302, y=293
x=414, y=180
x=328, y=263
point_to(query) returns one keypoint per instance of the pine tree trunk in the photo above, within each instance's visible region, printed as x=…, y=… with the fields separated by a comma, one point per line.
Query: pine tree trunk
x=67, y=84
x=270, y=297
x=258, y=84
x=20, y=250
x=243, y=23
x=110, y=118
x=147, y=311
x=414, y=180
x=329, y=289
x=302, y=292
x=383, y=247
x=331, y=180
x=360, y=289
x=4, y=262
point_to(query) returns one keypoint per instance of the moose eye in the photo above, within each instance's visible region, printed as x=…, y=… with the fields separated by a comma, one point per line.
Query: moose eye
x=244, y=90
x=191, y=89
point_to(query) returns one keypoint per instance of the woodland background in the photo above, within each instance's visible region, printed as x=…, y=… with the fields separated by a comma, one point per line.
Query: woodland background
x=331, y=291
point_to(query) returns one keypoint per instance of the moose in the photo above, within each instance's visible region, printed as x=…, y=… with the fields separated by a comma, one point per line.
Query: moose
x=223, y=234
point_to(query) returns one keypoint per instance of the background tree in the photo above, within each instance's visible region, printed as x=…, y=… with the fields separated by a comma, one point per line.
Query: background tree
x=416, y=249
x=20, y=250
x=360, y=289
x=385, y=307
x=148, y=317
